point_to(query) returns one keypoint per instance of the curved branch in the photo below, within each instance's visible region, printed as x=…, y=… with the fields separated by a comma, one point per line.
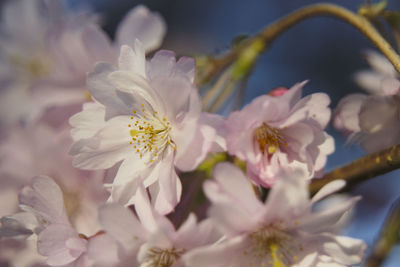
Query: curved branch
x=275, y=29
x=362, y=169
x=389, y=236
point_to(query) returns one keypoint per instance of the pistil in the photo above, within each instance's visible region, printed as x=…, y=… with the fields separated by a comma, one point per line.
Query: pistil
x=269, y=139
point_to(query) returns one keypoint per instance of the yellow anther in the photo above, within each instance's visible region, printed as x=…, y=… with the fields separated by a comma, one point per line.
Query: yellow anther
x=276, y=261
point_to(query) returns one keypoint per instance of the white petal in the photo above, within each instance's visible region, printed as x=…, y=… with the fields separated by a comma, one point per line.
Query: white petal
x=133, y=60
x=109, y=146
x=345, y=250
x=46, y=199
x=140, y=23
x=52, y=242
x=122, y=225
x=328, y=189
x=104, y=92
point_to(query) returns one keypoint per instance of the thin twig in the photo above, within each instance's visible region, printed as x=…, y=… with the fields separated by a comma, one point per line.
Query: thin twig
x=272, y=31
x=389, y=236
x=362, y=169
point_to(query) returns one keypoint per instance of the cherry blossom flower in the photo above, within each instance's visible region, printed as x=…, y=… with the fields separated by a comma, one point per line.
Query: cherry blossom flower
x=45, y=216
x=45, y=62
x=40, y=149
x=372, y=120
x=150, y=239
x=149, y=117
x=274, y=131
x=282, y=232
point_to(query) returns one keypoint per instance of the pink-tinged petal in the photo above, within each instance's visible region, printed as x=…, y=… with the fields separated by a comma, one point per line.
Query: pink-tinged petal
x=85, y=124
x=52, y=95
x=135, y=88
x=25, y=21
x=324, y=220
x=109, y=146
x=201, y=144
x=328, y=189
x=379, y=118
x=133, y=60
x=163, y=64
x=228, y=253
x=370, y=81
x=179, y=96
x=345, y=250
x=103, y=91
x=98, y=44
x=46, y=199
x=299, y=136
x=218, y=123
x=313, y=107
x=390, y=86
x=187, y=66
x=170, y=187
x=309, y=260
x=144, y=210
x=61, y=244
x=293, y=95
x=140, y=23
x=347, y=112
x=380, y=63
x=233, y=184
x=327, y=147
x=124, y=194
x=232, y=220
x=103, y=250
x=288, y=198
x=120, y=223
x=191, y=234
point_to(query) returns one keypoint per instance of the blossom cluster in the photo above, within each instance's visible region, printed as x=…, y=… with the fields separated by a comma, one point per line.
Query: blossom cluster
x=92, y=157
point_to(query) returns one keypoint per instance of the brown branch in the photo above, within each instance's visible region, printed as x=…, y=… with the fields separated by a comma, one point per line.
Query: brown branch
x=362, y=169
x=389, y=236
x=272, y=31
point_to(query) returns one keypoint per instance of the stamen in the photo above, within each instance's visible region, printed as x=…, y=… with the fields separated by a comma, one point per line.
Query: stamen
x=157, y=257
x=268, y=138
x=271, y=246
x=150, y=134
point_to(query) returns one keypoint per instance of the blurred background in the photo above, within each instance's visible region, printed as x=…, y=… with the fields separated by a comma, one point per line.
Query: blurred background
x=323, y=50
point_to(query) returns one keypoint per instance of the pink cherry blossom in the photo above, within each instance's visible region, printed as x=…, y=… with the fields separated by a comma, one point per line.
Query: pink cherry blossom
x=282, y=232
x=40, y=149
x=275, y=131
x=45, y=62
x=45, y=216
x=372, y=120
x=150, y=239
x=148, y=117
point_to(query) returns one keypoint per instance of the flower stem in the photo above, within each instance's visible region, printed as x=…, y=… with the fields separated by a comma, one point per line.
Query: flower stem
x=362, y=169
x=272, y=31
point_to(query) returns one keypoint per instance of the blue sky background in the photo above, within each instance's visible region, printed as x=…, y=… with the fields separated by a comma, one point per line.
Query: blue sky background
x=324, y=50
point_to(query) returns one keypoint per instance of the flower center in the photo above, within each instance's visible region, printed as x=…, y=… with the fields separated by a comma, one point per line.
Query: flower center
x=33, y=67
x=268, y=138
x=149, y=133
x=157, y=257
x=272, y=247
